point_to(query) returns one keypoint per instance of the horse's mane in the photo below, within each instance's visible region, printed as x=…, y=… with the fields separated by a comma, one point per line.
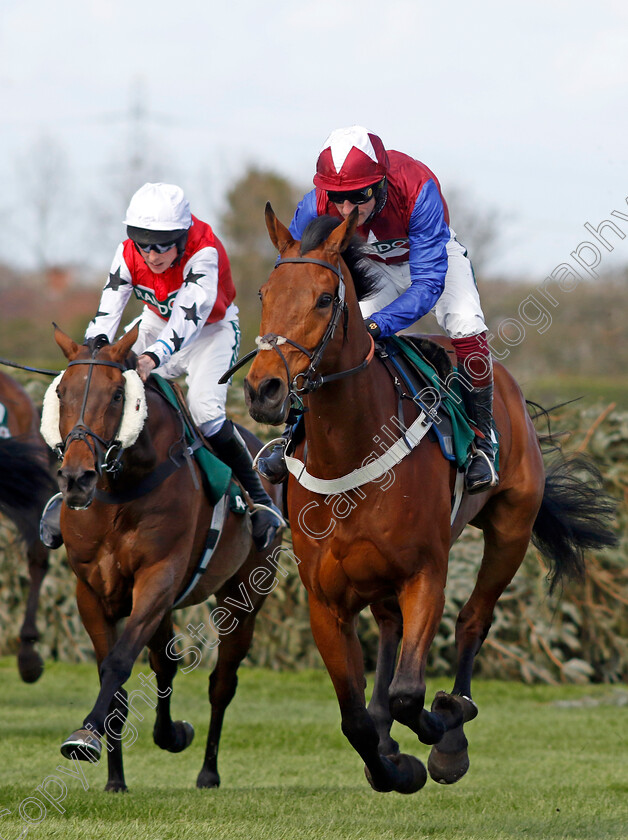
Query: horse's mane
x=365, y=278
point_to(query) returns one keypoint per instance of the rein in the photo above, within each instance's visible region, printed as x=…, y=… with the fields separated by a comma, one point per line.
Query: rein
x=107, y=454
x=311, y=380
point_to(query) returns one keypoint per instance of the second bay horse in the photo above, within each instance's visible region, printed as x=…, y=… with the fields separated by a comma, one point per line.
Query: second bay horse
x=136, y=522
x=25, y=485
x=390, y=547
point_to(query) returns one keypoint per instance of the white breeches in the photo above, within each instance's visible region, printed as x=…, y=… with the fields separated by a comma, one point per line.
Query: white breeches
x=458, y=309
x=203, y=362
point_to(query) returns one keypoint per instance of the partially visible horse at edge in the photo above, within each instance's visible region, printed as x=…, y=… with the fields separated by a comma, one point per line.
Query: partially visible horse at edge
x=135, y=522
x=391, y=551
x=25, y=485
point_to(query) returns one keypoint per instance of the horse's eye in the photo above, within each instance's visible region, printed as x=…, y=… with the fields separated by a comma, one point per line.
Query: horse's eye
x=324, y=301
x=118, y=396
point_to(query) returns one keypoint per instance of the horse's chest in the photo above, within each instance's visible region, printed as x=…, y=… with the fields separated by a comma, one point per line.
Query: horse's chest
x=107, y=578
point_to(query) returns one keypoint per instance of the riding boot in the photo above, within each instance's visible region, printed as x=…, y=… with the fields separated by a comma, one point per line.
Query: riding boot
x=273, y=467
x=266, y=518
x=480, y=473
x=49, y=524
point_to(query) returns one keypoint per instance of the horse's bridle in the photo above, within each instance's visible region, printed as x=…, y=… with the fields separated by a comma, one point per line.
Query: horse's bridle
x=107, y=453
x=311, y=380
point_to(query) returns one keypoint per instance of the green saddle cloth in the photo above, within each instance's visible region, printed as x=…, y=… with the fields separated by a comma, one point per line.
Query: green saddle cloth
x=5, y=432
x=216, y=475
x=462, y=432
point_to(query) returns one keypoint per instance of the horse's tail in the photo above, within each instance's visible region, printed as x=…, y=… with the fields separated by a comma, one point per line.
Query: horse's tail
x=24, y=477
x=574, y=516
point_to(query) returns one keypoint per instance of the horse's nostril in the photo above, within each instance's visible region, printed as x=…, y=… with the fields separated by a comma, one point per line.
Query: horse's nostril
x=270, y=390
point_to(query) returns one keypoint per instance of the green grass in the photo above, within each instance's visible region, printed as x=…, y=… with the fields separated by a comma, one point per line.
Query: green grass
x=546, y=762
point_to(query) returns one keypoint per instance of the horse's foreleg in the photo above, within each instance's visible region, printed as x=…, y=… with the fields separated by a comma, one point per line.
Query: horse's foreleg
x=151, y=599
x=337, y=641
x=422, y=600
x=85, y=744
x=504, y=548
x=29, y=662
x=390, y=624
x=170, y=735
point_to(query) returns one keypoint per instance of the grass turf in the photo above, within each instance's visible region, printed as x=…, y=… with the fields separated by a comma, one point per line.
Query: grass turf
x=546, y=762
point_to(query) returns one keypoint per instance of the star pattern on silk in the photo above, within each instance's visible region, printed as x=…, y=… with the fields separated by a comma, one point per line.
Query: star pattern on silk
x=115, y=281
x=176, y=340
x=342, y=144
x=191, y=313
x=193, y=278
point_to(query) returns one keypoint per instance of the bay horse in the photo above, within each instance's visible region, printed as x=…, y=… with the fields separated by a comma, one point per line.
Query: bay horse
x=387, y=544
x=135, y=521
x=25, y=485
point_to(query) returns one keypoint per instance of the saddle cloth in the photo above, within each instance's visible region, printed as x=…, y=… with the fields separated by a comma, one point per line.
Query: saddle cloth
x=426, y=371
x=217, y=478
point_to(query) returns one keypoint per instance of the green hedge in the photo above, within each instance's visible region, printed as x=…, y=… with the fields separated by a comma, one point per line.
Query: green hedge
x=578, y=636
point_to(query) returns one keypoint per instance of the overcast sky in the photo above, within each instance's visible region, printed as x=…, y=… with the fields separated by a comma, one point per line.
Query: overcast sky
x=524, y=105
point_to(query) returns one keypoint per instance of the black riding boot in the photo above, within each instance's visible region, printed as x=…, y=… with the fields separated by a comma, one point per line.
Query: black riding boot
x=230, y=448
x=480, y=474
x=273, y=467
x=49, y=524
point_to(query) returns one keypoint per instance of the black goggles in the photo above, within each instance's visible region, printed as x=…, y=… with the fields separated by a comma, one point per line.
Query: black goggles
x=161, y=249
x=352, y=196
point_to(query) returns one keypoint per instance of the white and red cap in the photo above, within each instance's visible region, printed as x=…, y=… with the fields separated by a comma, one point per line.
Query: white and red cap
x=158, y=209
x=351, y=158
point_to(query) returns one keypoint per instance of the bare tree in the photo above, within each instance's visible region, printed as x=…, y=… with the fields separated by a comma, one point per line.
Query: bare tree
x=44, y=175
x=478, y=228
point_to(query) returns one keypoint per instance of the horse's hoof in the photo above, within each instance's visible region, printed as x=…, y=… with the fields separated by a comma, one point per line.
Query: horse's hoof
x=181, y=736
x=208, y=779
x=30, y=665
x=449, y=709
x=82, y=745
x=409, y=776
x=116, y=787
x=414, y=774
x=447, y=768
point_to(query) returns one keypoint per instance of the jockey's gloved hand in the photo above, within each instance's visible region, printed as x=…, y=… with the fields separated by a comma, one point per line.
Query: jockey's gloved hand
x=373, y=328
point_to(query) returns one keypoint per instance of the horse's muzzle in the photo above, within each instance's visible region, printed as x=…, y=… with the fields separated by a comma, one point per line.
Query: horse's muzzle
x=269, y=402
x=77, y=487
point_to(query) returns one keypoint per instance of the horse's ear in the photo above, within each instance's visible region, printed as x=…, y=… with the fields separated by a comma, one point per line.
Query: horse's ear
x=279, y=234
x=121, y=349
x=70, y=348
x=339, y=238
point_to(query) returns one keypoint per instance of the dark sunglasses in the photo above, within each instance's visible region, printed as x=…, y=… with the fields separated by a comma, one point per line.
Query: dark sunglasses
x=161, y=249
x=352, y=196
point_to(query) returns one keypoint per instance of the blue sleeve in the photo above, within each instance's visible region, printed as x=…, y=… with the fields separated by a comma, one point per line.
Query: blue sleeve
x=428, y=237
x=305, y=212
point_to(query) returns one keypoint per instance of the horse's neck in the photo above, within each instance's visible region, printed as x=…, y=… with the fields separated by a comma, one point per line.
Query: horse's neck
x=348, y=419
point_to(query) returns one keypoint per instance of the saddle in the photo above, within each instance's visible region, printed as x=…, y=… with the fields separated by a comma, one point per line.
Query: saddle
x=423, y=372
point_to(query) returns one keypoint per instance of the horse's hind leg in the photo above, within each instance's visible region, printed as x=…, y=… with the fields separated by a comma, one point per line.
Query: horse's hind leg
x=337, y=641
x=223, y=680
x=506, y=537
x=29, y=662
x=390, y=624
x=170, y=735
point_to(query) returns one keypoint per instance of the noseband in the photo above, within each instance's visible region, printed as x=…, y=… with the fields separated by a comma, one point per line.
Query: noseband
x=311, y=380
x=106, y=454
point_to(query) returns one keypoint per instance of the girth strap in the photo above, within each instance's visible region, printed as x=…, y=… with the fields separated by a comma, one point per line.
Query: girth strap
x=369, y=472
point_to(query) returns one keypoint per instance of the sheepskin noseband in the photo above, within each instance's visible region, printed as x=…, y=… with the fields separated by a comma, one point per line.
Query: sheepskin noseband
x=131, y=422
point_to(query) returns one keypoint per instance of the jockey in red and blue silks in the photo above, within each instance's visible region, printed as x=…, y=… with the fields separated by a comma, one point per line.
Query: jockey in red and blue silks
x=405, y=221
